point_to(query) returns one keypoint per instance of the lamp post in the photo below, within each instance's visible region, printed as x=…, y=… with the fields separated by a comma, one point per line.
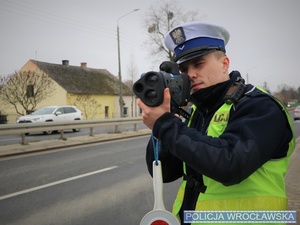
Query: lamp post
x=121, y=101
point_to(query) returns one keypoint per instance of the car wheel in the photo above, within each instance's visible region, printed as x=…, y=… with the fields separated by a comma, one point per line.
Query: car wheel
x=76, y=130
x=47, y=132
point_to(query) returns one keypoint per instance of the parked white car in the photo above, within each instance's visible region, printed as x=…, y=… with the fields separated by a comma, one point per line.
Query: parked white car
x=52, y=114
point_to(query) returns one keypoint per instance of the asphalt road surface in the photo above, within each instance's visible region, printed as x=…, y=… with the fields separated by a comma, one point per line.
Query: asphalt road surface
x=98, y=184
x=105, y=183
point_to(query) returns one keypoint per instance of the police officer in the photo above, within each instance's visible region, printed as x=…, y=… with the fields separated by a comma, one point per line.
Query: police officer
x=234, y=151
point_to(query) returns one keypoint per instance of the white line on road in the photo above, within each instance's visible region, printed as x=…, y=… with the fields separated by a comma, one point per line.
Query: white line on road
x=55, y=183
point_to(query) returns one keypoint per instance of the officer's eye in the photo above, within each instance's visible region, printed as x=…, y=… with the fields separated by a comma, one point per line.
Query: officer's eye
x=198, y=63
x=183, y=68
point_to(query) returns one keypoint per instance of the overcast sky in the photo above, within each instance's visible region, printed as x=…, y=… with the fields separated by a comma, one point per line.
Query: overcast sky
x=264, y=43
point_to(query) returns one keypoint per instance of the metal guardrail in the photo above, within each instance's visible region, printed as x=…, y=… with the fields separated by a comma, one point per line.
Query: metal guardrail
x=24, y=128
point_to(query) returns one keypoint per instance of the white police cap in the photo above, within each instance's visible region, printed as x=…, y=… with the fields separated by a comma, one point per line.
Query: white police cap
x=194, y=39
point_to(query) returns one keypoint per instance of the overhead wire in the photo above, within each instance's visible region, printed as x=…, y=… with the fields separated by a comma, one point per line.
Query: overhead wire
x=97, y=29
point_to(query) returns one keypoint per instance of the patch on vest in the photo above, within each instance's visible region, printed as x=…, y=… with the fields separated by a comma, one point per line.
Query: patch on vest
x=220, y=118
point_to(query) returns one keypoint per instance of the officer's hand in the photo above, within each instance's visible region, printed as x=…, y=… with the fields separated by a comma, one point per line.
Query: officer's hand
x=151, y=114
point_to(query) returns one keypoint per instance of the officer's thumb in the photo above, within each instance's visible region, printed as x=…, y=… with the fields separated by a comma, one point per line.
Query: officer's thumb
x=167, y=97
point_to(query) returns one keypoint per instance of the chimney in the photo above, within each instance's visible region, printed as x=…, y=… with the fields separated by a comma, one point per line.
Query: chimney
x=83, y=65
x=65, y=62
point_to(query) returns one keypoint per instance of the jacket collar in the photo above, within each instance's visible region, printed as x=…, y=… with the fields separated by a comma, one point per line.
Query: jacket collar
x=211, y=96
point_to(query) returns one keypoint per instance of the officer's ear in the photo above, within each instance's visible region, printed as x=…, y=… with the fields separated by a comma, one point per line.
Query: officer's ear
x=226, y=63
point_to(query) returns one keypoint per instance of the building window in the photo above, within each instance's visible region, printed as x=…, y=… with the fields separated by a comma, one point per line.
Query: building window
x=106, y=111
x=125, y=111
x=30, y=91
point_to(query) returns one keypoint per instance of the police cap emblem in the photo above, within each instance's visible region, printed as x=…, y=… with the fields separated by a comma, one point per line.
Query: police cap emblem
x=178, y=36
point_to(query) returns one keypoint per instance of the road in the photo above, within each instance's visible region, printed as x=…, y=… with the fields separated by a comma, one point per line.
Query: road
x=104, y=183
x=98, y=184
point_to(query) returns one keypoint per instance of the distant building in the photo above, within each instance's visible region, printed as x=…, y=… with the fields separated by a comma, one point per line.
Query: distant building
x=74, y=81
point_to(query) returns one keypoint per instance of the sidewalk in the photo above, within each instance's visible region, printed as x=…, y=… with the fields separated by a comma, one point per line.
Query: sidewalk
x=292, y=176
x=293, y=181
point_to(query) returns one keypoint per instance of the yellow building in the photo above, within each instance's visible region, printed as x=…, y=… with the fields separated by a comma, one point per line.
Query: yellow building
x=98, y=86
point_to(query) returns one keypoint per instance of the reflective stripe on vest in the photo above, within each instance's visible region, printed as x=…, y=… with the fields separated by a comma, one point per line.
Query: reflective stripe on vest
x=263, y=190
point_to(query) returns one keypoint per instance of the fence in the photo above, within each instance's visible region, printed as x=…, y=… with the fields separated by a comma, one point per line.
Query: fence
x=24, y=128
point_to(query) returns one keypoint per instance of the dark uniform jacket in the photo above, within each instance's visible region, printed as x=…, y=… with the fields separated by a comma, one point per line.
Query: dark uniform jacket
x=257, y=131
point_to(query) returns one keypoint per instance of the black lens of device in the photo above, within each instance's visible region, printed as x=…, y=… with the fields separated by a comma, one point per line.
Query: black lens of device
x=151, y=80
x=151, y=96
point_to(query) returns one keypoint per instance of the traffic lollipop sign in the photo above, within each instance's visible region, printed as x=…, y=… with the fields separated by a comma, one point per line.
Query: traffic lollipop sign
x=159, y=215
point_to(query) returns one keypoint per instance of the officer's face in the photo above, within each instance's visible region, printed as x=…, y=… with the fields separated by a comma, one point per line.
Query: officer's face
x=206, y=70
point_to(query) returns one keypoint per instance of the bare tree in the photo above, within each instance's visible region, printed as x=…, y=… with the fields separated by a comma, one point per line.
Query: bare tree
x=286, y=93
x=24, y=90
x=159, y=20
x=90, y=106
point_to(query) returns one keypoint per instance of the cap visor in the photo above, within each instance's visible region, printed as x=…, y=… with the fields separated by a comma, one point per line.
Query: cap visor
x=192, y=55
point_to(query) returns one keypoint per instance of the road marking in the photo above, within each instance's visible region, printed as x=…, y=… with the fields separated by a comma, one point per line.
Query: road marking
x=56, y=183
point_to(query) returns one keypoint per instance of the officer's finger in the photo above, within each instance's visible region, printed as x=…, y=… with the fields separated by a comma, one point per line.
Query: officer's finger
x=167, y=96
x=141, y=104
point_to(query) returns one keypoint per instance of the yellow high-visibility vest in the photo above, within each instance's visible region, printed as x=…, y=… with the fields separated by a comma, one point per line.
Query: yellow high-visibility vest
x=263, y=190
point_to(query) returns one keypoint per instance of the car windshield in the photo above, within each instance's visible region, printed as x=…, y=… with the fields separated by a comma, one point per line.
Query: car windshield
x=43, y=111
